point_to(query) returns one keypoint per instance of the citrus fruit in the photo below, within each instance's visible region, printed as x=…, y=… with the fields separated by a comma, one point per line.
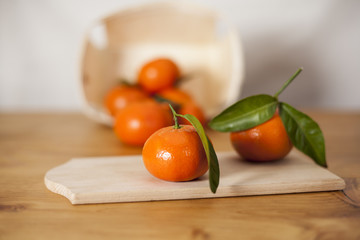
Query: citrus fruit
x=175, y=95
x=137, y=121
x=158, y=74
x=193, y=109
x=120, y=96
x=175, y=154
x=265, y=142
x=186, y=103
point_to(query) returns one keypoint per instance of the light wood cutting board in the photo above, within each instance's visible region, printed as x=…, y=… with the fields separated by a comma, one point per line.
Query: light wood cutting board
x=125, y=179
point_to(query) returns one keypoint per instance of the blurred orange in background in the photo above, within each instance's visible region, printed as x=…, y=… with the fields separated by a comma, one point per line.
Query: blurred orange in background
x=158, y=74
x=137, y=114
x=175, y=95
x=139, y=120
x=121, y=96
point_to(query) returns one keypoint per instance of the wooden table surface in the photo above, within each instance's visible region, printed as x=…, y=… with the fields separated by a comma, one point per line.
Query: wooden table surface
x=31, y=144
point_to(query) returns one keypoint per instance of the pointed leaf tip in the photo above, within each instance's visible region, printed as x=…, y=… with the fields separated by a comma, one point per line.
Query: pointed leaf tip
x=214, y=171
x=304, y=133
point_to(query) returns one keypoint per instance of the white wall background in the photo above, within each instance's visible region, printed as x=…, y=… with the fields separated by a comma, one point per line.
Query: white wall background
x=41, y=43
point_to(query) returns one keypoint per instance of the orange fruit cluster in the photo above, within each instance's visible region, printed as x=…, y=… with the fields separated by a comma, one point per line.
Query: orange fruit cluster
x=141, y=109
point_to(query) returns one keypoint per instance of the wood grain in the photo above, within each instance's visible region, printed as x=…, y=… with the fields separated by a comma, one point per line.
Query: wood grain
x=31, y=144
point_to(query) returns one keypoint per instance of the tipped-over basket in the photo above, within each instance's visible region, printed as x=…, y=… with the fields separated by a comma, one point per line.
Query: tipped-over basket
x=205, y=47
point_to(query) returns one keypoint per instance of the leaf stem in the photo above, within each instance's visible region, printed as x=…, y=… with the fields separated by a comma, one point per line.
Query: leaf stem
x=176, y=124
x=288, y=82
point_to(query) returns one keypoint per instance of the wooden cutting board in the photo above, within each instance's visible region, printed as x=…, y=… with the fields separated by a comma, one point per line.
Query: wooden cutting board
x=125, y=179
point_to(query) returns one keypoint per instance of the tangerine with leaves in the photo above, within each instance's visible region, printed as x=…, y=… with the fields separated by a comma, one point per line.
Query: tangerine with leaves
x=175, y=154
x=120, y=96
x=136, y=122
x=158, y=75
x=181, y=153
x=272, y=123
x=265, y=142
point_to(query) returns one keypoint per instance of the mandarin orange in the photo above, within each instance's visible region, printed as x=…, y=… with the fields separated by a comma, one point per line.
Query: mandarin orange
x=120, y=96
x=193, y=109
x=158, y=74
x=136, y=122
x=175, y=154
x=175, y=95
x=266, y=142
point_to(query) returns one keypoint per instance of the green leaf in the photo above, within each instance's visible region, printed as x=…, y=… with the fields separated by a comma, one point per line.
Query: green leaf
x=214, y=171
x=304, y=133
x=246, y=113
